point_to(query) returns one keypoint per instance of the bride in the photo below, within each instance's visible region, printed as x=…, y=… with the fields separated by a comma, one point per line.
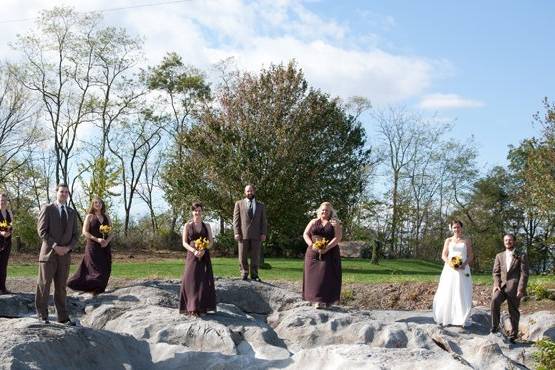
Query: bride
x=453, y=298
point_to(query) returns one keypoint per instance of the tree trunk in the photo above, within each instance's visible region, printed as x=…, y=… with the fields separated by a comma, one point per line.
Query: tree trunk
x=375, y=252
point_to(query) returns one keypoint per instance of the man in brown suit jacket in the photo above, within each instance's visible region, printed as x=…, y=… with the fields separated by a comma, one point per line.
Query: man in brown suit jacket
x=58, y=229
x=510, y=276
x=250, y=228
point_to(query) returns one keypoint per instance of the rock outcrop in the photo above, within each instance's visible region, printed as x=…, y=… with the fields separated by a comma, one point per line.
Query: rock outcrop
x=257, y=326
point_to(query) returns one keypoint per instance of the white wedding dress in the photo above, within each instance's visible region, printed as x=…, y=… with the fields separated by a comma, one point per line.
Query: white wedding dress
x=453, y=299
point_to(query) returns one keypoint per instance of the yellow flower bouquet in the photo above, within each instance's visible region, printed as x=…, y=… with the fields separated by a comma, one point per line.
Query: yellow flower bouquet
x=105, y=230
x=320, y=245
x=455, y=262
x=5, y=226
x=201, y=244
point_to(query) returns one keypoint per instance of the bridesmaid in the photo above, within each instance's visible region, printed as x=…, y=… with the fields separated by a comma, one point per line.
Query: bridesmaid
x=5, y=241
x=95, y=268
x=322, y=268
x=197, y=295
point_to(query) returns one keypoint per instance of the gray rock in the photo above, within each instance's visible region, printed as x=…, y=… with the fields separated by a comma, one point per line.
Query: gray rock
x=257, y=326
x=17, y=305
x=344, y=356
x=535, y=326
x=305, y=327
x=353, y=248
x=28, y=344
x=253, y=297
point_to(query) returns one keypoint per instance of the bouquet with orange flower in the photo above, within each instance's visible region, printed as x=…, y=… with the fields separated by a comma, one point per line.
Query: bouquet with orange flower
x=455, y=262
x=105, y=230
x=201, y=244
x=320, y=245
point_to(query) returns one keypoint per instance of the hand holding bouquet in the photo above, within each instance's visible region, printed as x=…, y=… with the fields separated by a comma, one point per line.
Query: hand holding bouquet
x=5, y=226
x=201, y=244
x=320, y=245
x=455, y=262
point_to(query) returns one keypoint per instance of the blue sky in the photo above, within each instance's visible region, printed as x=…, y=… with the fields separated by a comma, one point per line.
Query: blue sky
x=501, y=53
x=486, y=65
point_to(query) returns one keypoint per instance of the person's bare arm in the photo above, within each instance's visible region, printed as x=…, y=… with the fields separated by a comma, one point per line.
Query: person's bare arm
x=445, y=251
x=306, y=233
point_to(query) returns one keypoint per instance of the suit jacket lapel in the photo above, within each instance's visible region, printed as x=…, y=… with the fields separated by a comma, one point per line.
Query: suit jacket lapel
x=513, y=260
x=54, y=210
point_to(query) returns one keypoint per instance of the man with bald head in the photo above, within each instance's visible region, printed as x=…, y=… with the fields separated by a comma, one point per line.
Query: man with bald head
x=250, y=228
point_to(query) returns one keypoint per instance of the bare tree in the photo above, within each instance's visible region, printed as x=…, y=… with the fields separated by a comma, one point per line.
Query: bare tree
x=132, y=144
x=400, y=134
x=147, y=188
x=18, y=124
x=181, y=89
x=59, y=57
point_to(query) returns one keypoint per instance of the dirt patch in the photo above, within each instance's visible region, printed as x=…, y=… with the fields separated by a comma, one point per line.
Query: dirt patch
x=410, y=296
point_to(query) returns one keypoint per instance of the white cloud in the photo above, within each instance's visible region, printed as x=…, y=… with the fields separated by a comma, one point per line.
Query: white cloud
x=257, y=33
x=448, y=101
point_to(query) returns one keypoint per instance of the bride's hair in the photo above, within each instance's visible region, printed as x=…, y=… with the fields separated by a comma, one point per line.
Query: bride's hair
x=456, y=222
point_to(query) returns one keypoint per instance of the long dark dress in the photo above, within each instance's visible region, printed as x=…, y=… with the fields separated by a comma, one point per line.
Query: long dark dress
x=198, y=293
x=5, y=249
x=322, y=278
x=95, y=268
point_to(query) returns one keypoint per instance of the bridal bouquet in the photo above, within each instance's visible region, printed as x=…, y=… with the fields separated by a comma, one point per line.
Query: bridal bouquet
x=455, y=262
x=320, y=244
x=201, y=244
x=105, y=230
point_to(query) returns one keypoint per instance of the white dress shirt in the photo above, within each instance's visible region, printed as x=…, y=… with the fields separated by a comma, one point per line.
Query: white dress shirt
x=253, y=204
x=508, y=258
x=59, y=205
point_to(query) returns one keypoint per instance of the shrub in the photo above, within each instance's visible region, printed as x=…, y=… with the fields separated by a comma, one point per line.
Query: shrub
x=225, y=244
x=545, y=355
x=538, y=291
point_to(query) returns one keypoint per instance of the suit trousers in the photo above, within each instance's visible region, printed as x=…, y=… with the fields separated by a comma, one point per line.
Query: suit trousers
x=249, y=247
x=57, y=269
x=513, y=302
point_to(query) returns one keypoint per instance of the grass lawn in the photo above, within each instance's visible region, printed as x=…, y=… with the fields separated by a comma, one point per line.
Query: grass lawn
x=354, y=270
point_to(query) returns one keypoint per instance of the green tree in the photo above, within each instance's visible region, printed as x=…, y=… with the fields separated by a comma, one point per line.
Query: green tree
x=181, y=91
x=294, y=143
x=487, y=216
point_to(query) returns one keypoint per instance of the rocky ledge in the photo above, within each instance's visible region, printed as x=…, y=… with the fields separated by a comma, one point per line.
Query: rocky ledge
x=257, y=326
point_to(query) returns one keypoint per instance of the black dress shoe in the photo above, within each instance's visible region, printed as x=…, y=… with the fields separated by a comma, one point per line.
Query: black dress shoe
x=256, y=278
x=246, y=278
x=44, y=320
x=68, y=322
x=494, y=330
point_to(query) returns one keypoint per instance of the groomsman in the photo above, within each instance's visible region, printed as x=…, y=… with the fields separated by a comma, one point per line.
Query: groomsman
x=58, y=229
x=250, y=228
x=510, y=276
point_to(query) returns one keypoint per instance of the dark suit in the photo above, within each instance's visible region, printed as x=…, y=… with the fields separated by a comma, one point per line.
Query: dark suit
x=52, y=266
x=510, y=283
x=249, y=230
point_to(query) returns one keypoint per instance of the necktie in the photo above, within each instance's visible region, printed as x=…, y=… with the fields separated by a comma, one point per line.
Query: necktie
x=64, y=217
x=251, y=213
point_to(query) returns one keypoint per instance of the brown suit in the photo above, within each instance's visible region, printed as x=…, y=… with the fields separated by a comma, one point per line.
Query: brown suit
x=51, y=265
x=249, y=229
x=510, y=283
